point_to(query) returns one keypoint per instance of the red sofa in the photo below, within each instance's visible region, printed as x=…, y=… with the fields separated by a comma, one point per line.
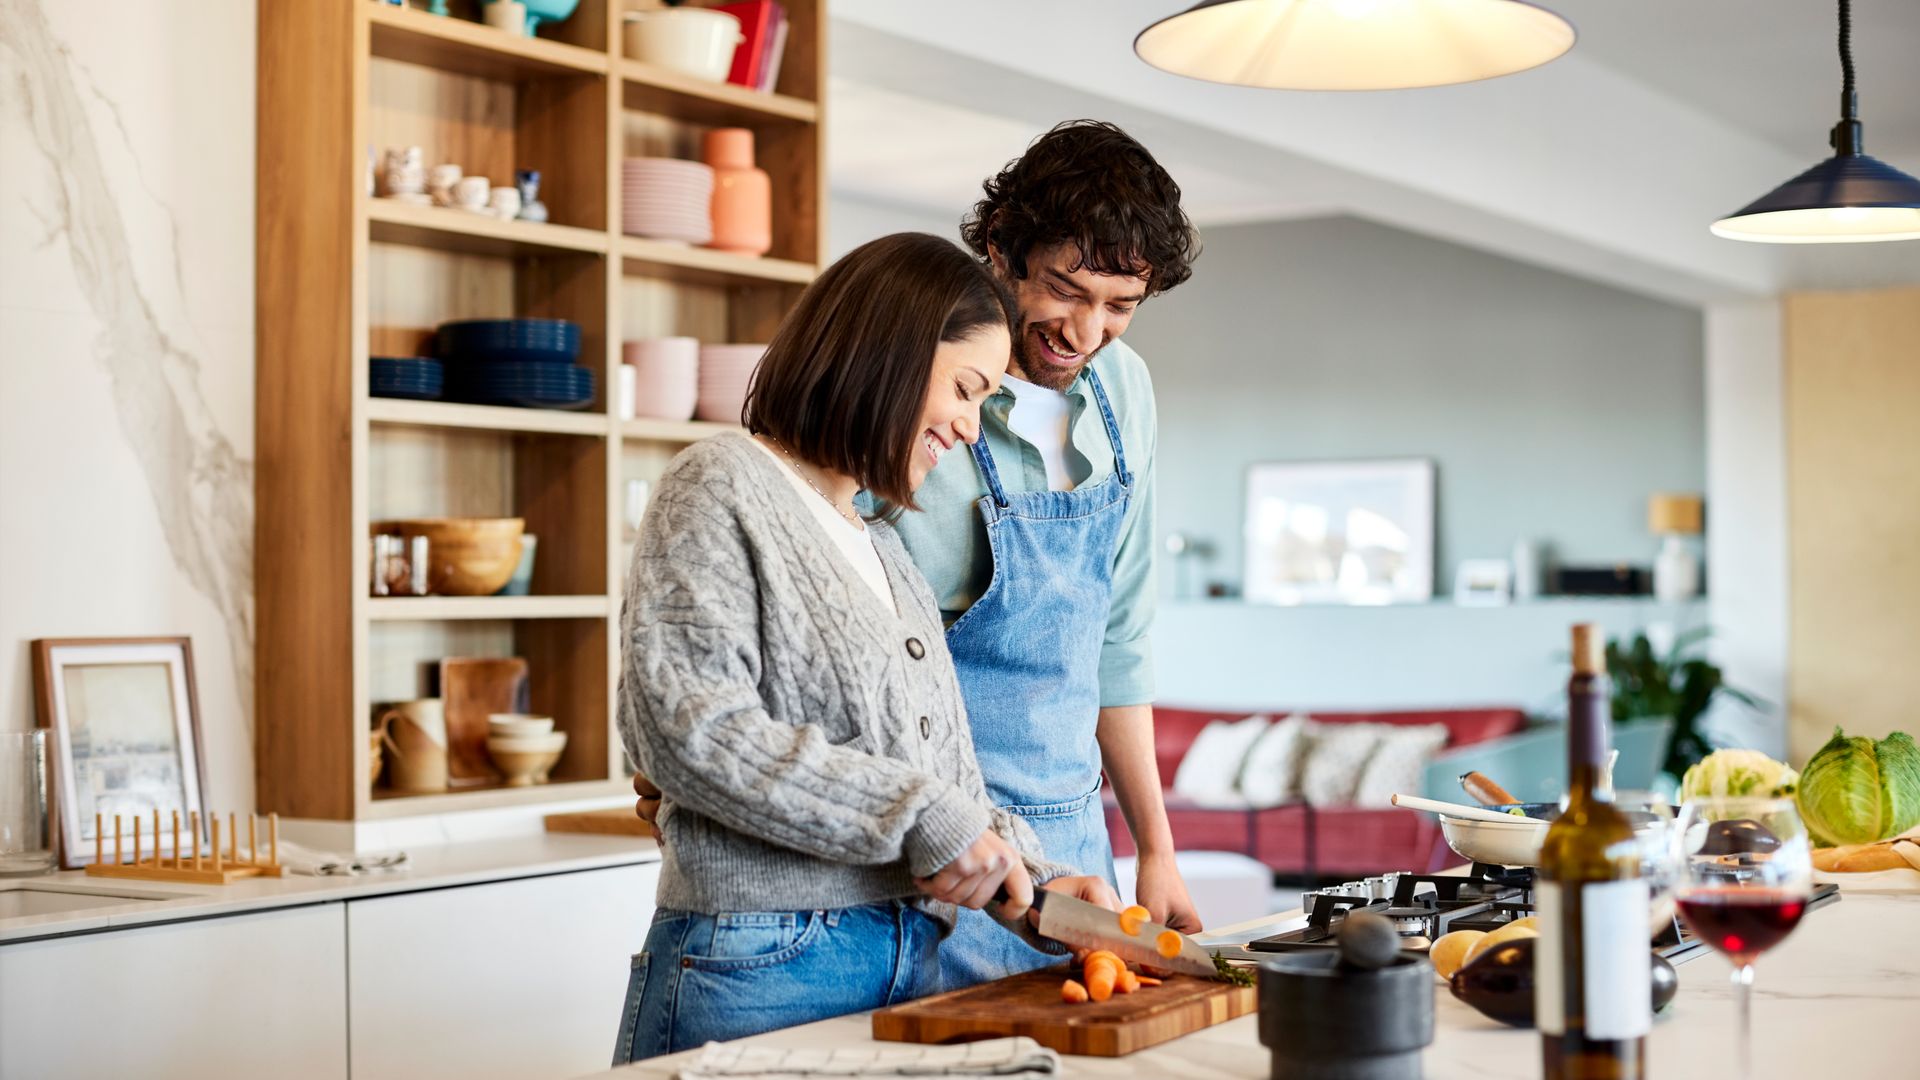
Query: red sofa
x=1297, y=840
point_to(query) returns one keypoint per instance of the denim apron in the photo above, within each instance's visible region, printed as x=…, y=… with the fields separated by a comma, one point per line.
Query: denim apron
x=1028, y=655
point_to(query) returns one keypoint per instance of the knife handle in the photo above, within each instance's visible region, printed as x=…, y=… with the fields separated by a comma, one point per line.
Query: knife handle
x=1000, y=896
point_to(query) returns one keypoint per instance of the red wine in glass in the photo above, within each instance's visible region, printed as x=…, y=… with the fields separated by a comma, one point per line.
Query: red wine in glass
x=1743, y=921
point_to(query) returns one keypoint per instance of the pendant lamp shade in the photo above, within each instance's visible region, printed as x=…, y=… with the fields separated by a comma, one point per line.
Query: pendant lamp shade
x=1353, y=44
x=1848, y=198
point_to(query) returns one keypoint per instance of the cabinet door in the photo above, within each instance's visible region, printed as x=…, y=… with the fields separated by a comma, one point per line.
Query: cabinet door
x=516, y=979
x=248, y=995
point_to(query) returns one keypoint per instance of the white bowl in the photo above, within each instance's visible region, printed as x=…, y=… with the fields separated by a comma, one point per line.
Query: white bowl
x=691, y=41
x=527, y=744
x=514, y=725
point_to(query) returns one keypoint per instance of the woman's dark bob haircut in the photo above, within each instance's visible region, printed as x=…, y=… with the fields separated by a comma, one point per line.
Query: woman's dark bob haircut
x=845, y=379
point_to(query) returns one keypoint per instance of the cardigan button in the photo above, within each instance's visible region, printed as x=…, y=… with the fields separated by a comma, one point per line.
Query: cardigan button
x=926, y=728
x=915, y=649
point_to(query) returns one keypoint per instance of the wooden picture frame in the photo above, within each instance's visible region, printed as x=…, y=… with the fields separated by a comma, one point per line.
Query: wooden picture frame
x=124, y=718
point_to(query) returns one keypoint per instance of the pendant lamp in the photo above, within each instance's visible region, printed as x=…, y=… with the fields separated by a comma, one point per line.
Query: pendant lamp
x=1848, y=198
x=1353, y=44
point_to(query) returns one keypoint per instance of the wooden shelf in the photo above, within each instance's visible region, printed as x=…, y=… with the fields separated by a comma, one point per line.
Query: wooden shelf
x=447, y=414
x=705, y=266
x=652, y=89
x=470, y=48
x=673, y=431
x=434, y=608
x=397, y=804
x=447, y=229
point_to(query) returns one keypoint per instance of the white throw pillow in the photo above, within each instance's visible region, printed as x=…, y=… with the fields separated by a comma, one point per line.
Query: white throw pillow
x=1335, y=759
x=1270, y=775
x=1210, y=772
x=1399, y=762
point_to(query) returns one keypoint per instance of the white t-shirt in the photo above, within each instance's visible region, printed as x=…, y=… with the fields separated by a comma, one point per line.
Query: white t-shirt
x=854, y=541
x=1044, y=418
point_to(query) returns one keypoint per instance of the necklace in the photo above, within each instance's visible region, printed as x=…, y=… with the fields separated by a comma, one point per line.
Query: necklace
x=795, y=462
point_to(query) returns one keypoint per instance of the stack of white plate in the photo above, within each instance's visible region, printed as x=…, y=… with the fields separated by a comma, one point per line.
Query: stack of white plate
x=666, y=199
x=725, y=373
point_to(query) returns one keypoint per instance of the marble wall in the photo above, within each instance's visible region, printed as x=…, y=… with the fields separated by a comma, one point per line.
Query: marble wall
x=126, y=344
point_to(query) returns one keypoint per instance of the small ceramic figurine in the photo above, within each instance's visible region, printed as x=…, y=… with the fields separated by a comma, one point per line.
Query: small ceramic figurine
x=531, y=208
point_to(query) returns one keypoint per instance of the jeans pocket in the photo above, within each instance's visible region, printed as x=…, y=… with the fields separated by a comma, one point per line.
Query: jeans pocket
x=743, y=940
x=624, y=1050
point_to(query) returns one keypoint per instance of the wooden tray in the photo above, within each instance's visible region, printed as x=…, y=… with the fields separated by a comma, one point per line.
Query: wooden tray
x=617, y=821
x=472, y=688
x=1030, y=1005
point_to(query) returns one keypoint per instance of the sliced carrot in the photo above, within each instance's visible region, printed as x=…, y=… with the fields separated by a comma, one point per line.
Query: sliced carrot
x=1167, y=944
x=1131, y=919
x=1145, y=981
x=1072, y=992
x=1100, y=983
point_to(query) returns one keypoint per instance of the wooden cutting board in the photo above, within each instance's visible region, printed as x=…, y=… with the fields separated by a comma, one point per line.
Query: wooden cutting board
x=614, y=821
x=1030, y=1005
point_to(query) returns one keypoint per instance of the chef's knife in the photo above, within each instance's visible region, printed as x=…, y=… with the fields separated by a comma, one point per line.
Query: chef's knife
x=1075, y=922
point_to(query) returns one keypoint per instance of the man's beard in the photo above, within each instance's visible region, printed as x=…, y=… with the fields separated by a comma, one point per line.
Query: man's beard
x=1038, y=370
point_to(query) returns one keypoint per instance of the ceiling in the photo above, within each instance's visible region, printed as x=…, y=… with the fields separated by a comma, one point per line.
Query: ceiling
x=1768, y=67
x=909, y=151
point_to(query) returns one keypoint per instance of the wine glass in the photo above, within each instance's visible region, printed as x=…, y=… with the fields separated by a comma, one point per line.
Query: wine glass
x=1745, y=882
x=1652, y=815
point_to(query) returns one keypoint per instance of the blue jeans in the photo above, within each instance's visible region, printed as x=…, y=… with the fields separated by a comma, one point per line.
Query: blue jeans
x=706, y=978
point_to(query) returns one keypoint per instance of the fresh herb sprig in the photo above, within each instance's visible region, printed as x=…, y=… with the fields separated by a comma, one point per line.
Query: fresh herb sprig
x=1227, y=971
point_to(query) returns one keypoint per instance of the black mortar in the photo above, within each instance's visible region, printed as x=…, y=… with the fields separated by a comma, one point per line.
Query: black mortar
x=1324, y=1020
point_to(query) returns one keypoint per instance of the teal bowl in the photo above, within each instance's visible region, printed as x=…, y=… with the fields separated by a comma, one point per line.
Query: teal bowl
x=539, y=11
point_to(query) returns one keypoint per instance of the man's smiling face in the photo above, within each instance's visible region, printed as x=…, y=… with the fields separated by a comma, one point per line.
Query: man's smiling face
x=1067, y=313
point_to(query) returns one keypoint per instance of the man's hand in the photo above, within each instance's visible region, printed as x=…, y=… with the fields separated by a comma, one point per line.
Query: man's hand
x=972, y=879
x=647, y=805
x=1158, y=888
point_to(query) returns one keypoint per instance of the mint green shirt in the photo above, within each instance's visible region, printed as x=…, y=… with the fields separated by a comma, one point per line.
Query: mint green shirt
x=948, y=541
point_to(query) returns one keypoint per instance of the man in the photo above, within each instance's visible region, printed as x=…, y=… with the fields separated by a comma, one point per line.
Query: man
x=1040, y=547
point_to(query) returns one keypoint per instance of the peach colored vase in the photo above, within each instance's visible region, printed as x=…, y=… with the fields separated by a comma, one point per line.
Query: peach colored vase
x=742, y=194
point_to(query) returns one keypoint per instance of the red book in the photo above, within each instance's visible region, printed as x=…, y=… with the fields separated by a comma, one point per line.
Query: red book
x=756, y=22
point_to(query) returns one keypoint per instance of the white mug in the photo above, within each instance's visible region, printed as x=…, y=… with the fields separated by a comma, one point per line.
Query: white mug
x=508, y=15
x=505, y=202
x=471, y=192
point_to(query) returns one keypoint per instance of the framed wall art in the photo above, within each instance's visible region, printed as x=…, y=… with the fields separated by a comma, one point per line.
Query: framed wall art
x=125, y=735
x=1340, y=532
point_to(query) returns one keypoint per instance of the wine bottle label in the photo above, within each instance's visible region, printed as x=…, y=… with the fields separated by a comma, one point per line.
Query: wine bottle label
x=1608, y=985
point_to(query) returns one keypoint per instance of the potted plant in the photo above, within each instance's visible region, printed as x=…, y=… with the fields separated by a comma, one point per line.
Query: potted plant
x=1680, y=685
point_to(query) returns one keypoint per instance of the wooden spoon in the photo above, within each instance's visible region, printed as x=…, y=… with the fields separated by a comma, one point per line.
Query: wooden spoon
x=1462, y=811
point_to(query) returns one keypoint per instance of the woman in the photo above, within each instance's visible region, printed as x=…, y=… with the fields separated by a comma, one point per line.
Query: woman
x=786, y=683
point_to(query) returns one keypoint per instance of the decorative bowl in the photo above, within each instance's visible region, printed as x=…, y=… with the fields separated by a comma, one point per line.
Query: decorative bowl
x=518, y=725
x=526, y=760
x=465, y=556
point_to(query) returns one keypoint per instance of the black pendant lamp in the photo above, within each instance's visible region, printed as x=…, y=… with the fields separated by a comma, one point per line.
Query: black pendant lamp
x=1848, y=198
x=1353, y=44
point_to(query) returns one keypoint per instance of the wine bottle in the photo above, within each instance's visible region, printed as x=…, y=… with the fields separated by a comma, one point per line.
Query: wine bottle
x=1594, y=968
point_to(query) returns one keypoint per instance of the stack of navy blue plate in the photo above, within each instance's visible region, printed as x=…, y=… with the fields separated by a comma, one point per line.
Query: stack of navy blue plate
x=417, y=377
x=524, y=362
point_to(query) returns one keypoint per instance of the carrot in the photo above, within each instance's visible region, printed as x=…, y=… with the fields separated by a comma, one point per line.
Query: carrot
x=1167, y=944
x=1072, y=992
x=1100, y=982
x=1131, y=919
x=1144, y=981
x=1129, y=982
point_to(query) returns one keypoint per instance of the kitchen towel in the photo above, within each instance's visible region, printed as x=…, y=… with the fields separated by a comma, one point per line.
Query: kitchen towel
x=1014, y=1057
x=303, y=860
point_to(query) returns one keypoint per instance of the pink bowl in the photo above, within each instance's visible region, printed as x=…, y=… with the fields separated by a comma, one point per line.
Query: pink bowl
x=666, y=383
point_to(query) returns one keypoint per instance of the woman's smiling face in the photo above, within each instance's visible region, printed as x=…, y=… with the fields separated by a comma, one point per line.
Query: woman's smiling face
x=965, y=373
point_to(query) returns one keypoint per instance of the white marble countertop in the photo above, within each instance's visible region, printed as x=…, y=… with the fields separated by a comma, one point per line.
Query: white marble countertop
x=471, y=863
x=1834, y=999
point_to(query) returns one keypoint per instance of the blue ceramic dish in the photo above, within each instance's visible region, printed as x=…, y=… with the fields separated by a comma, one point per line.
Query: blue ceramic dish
x=538, y=341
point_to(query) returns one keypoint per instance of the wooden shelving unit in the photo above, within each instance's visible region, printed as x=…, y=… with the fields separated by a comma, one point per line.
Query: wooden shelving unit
x=343, y=276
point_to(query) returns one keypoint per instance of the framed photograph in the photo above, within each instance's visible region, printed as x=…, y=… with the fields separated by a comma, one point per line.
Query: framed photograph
x=1340, y=532
x=1482, y=583
x=125, y=737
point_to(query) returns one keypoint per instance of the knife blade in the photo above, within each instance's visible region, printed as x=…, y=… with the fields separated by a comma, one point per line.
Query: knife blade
x=1075, y=922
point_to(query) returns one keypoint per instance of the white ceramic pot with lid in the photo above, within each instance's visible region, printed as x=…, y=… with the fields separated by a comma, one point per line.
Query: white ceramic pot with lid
x=692, y=41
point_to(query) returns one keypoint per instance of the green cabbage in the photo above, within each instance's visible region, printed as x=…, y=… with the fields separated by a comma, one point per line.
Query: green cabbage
x=1726, y=773
x=1856, y=791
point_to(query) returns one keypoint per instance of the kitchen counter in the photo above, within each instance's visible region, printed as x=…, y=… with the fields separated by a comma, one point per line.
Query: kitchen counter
x=439, y=867
x=1833, y=999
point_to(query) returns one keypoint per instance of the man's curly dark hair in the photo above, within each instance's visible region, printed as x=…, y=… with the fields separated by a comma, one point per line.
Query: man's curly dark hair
x=1089, y=184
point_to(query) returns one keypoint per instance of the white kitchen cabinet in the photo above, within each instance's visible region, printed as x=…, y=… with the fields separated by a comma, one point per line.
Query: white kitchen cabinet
x=521, y=979
x=247, y=995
